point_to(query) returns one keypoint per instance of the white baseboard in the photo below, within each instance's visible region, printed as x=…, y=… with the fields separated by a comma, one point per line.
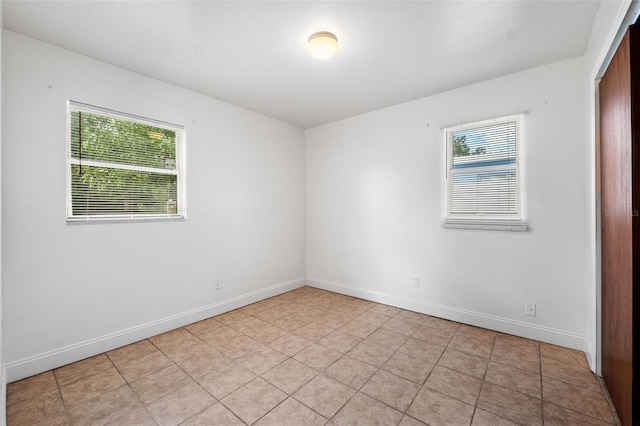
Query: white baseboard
x=46, y=361
x=478, y=319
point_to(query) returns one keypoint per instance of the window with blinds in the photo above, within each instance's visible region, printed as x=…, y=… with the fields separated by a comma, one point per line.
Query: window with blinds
x=122, y=167
x=484, y=176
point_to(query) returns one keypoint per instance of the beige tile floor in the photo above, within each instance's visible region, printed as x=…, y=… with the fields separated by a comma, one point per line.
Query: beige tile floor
x=312, y=357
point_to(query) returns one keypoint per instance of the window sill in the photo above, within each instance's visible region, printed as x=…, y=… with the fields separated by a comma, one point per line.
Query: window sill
x=487, y=224
x=83, y=220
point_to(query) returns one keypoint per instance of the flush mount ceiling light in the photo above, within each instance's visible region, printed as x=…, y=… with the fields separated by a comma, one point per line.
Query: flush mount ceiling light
x=322, y=45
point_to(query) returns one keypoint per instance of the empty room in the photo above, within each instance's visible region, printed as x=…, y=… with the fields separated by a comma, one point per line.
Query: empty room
x=306, y=212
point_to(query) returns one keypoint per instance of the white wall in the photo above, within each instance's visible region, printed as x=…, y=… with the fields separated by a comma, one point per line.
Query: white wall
x=75, y=290
x=375, y=207
x=3, y=376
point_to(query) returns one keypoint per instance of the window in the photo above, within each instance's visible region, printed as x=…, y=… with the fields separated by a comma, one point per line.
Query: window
x=122, y=167
x=484, y=175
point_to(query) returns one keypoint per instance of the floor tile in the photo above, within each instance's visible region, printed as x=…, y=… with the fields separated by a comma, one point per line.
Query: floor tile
x=179, y=336
x=421, y=349
x=273, y=302
x=81, y=369
x=254, y=308
x=437, y=409
x=35, y=409
x=410, y=316
x=406, y=328
x=108, y=407
x=454, y=384
x=391, y=390
x=569, y=373
x=359, y=329
x=130, y=352
x=246, y=324
x=160, y=383
x=270, y=315
x=565, y=355
x=91, y=387
x=387, y=338
x=384, y=310
x=291, y=412
x=317, y=356
x=471, y=346
x=266, y=334
x=514, y=379
x=559, y=416
x=515, y=358
x=310, y=356
x=464, y=363
x=518, y=343
x=340, y=341
x=576, y=398
x=217, y=414
x=373, y=319
x=313, y=331
x=362, y=410
x=134, y=369
x=179, y=405
x=30, y=387
x=57, y=420
x=333, y=320
x=442, y=324
x=204, y=326
x=324, y=395
x=410, y=421
x=220, y=335
x=350, y=371
x=511, y=405
x=371, y=353
x=484, y=418
x=438, y=336
x=290, y=375
x=239, y=346
x=254, y=400
x=201, y=359
x=222, y=382
x=231, y=316
x=476, y=333
x=261, y=360
x=415, y=369
x=137, y=417
x=290, y=344
x=289, y=323
x=360, y=305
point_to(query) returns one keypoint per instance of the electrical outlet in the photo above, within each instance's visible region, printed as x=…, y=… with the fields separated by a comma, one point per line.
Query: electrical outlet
x=218, y=283
x=416, y=280
x=530, y=309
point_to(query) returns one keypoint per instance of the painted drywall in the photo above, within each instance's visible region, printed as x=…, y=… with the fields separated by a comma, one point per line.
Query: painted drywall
x=71, y=290
x=608, y=20
x=3, y=376
x=375, y=196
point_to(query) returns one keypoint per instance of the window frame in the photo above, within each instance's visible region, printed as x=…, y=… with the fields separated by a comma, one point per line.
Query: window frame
x=506, y=222
x=179, y=171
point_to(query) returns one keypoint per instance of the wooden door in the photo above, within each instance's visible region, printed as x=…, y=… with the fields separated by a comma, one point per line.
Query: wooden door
x=619, y=181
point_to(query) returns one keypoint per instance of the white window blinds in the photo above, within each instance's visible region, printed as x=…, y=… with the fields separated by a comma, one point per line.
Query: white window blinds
x=484, y=182
x=122, y=166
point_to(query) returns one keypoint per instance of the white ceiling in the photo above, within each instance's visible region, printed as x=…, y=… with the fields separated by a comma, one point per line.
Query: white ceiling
x=252, y=54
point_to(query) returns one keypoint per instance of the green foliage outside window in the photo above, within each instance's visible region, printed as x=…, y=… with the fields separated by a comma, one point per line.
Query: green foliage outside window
x=461, y=148
x=108, y=187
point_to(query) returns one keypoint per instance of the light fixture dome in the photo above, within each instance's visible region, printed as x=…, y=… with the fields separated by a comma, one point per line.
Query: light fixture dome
x=322, y=45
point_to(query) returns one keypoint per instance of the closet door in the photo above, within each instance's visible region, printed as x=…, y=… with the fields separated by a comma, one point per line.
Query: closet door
x=620, y=174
